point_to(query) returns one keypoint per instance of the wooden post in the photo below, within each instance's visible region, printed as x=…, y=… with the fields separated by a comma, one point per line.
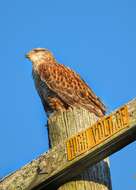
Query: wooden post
x=66, y=124
x=68, y=159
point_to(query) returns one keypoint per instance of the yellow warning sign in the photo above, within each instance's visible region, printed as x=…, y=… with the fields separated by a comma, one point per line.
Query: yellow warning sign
x=97, y=133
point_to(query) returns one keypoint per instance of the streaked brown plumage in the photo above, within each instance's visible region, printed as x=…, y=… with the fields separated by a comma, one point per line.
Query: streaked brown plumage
x=59, y=87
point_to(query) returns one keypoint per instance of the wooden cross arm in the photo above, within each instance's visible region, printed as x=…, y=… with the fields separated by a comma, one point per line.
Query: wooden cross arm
x=106, y=136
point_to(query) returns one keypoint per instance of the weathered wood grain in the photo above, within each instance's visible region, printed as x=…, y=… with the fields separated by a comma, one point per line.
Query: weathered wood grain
x=29, y=177
x=67, y=124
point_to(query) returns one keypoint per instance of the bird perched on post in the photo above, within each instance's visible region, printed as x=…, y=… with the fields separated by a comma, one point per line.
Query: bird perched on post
x=59, y=87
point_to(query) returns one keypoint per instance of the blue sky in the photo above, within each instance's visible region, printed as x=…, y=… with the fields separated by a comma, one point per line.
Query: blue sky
x=95, y=38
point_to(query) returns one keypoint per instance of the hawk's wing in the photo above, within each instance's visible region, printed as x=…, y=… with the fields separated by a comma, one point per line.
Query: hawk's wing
x=71, y=88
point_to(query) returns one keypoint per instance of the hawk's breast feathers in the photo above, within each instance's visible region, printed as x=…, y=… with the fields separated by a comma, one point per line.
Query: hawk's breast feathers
x=67, y=88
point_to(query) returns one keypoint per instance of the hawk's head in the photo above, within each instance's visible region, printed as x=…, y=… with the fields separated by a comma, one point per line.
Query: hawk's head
x=39, y=55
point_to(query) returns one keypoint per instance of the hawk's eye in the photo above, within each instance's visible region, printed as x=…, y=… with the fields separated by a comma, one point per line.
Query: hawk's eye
x=35, y=50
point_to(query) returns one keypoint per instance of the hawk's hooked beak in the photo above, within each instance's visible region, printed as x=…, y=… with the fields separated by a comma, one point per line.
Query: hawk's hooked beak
x=27, y=56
